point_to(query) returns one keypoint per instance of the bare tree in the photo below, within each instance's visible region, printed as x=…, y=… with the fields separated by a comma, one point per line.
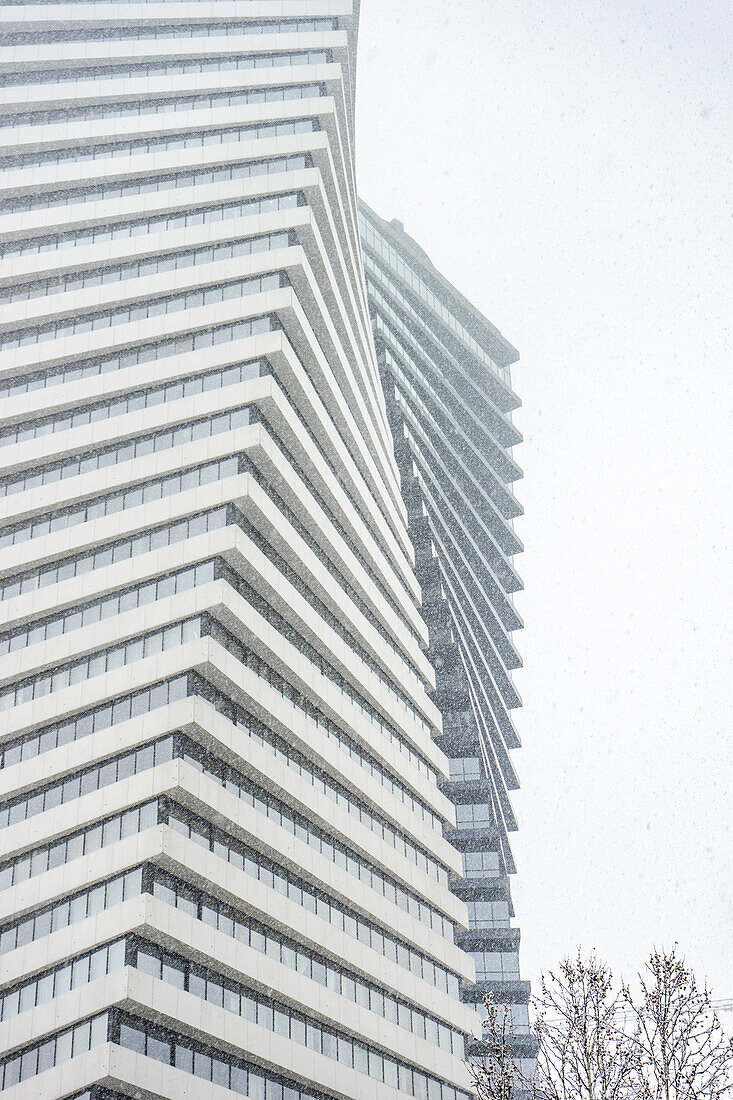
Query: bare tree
x=583, y=1054
x=683, y=1053
x=598, y=1042
x=495, y=1075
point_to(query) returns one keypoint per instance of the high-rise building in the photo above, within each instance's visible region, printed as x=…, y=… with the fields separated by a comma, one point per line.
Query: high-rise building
x=227, y=861
x=446, y=376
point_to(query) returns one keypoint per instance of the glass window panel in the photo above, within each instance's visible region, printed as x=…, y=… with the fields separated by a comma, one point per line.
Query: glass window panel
x=159, y=1049
x=63, y=1046
x=220, y=1073
x=29, y=1064
x=183, y=1058
x=202, y=1065
x=46, y=1055
x=238, y=1080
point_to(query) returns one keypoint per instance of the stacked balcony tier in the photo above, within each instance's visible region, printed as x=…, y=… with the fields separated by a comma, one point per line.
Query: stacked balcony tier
x=224, y=868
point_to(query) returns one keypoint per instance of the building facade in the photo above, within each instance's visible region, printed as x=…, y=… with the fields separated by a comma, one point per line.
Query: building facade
x=446, y=376
x=228, y=861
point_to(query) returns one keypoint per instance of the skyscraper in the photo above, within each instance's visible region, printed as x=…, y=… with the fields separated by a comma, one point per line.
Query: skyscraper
x=226, y=858
x=446, y=376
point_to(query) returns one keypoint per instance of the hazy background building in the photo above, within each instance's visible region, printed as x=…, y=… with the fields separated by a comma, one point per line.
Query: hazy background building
x=446, y=376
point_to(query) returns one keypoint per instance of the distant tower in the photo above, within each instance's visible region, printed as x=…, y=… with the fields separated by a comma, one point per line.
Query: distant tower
x=445, y=372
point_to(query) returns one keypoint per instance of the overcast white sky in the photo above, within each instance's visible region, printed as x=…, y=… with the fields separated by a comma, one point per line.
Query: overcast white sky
x=564, y=164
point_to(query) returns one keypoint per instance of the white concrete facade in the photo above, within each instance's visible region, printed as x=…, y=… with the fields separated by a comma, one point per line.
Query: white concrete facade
x=222, y=859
